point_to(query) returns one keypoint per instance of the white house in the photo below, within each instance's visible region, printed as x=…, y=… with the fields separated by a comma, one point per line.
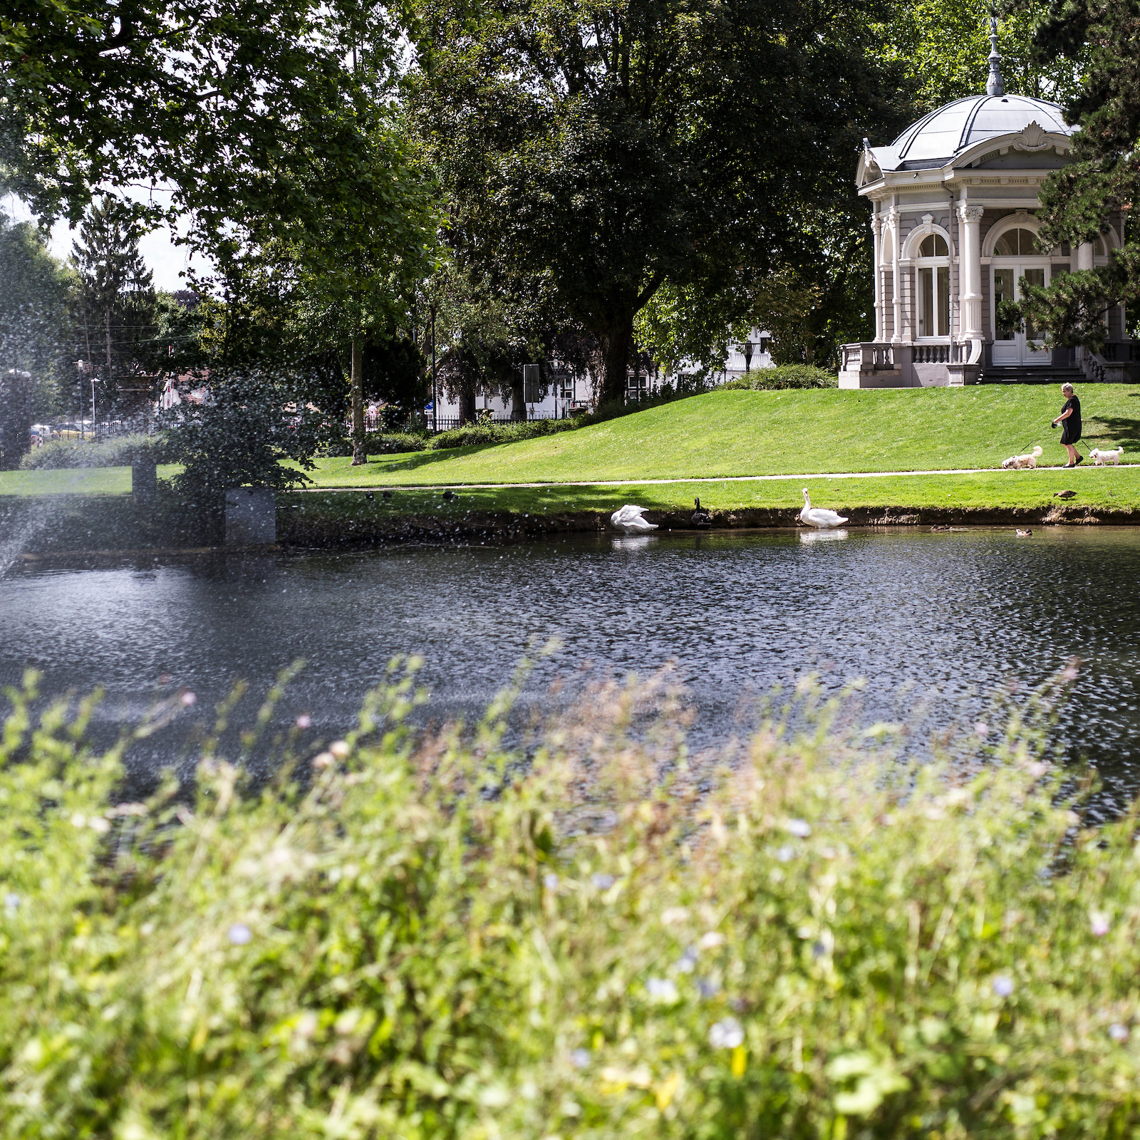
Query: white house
x=954, y=227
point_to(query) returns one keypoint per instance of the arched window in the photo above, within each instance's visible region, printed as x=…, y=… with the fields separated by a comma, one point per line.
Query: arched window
x=933, y=280
x=1016, y=243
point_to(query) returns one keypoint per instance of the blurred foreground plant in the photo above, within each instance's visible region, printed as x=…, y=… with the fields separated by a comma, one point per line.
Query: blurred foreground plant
x=440, y=939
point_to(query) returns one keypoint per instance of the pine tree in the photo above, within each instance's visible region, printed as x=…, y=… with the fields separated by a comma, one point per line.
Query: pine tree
x=116, y=301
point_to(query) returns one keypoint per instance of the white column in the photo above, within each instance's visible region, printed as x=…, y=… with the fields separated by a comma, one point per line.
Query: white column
x=1085, y=255
x=896, y=283
x=876, y=231
x=970, y=270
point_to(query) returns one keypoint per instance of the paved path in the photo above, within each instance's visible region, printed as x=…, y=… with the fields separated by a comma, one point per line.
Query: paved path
x=660, y=482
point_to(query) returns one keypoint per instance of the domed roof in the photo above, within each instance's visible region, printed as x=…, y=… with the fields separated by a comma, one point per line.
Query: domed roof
x=947, y=132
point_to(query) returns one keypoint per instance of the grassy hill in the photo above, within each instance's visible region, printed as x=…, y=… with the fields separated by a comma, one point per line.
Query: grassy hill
x=767, y=433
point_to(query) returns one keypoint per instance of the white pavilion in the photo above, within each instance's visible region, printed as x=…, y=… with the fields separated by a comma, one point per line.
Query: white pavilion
x=955, y=232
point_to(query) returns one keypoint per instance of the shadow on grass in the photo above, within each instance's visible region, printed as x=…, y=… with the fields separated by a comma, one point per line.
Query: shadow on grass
x=415, y=460
x=1119, y=430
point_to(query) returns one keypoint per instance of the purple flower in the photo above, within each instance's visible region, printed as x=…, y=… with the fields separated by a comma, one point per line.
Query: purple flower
x=550, y=881
x=1003, y=986
x=239, y=934
x=11, y=902
x=603, y=882
x=580, y=1058
x=1118, y=1032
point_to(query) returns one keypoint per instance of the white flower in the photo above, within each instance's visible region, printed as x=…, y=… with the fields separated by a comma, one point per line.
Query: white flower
x=603, y=882
x=982, y=729
x=798, y=827
x=11, y=902
x=1003, y=986
x=550, y=881
x=580, y=1058
x=239, y=934
x=711, y=940
x=340, y=748
x=1118, y=1032
x=687, y=961
x=786, y=854
x=1098, y=920
x=188, y=699
x=662, y=989
x=304, y=721
x=726, y=1034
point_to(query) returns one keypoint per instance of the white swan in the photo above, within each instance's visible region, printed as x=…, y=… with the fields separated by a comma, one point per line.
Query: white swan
x=818, y=516
x=629, y=520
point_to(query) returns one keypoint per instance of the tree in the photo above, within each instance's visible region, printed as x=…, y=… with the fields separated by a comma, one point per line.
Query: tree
x=592, y=152
x=1104, y=178
x=115, y=301
x=34, y=325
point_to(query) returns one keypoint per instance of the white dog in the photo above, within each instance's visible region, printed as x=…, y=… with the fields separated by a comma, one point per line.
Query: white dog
x=1100, y=458
x=1021, y=462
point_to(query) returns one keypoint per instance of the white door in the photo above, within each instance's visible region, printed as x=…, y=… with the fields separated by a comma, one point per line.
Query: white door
x=1021, y=343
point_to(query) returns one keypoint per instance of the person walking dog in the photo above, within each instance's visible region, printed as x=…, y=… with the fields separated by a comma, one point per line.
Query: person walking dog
x=1071, y=417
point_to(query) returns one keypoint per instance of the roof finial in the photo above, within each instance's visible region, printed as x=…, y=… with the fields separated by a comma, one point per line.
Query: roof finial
x=994, y=85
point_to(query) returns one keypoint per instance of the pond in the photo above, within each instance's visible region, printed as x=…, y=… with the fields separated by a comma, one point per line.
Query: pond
x=939, y=619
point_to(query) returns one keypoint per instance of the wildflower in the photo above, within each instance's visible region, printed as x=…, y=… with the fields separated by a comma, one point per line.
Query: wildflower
x=188, y=699
x=798, y=828
x=324, y=760
x=981, y=730
x=726, y=1034
x=686, y=963
x=239, y=934
x=580, y=1058
x=11, y=902
x=340, y=748
x=711, y=940
x=786, y=854
x=603, y=882
x=818, y=950
x=304, y=721
x=708, y=988
x=662, y=989
x=1003, y=986
x=673, y=914
x=1099, y=923
x=550, y=881
x=1118, y=1032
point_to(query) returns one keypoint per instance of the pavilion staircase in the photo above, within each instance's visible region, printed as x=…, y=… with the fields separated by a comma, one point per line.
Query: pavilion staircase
x=1033, y=374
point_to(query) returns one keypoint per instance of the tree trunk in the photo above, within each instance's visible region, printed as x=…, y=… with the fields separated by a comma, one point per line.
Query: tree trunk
x=518, y=398
x=467, y=406
x=617, y=344
x=359, y=451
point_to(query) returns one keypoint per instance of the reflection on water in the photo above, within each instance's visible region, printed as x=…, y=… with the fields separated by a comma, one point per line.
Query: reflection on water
x=941, y=618
x=821, y=535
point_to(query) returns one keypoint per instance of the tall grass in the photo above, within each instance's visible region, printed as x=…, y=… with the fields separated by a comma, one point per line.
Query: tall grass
x=606, y=938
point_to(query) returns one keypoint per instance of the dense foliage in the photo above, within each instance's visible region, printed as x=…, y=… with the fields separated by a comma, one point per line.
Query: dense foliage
x=119, y=451
x=613, y=939
x=1079, y=200
x=589, y=155
x=784, y=376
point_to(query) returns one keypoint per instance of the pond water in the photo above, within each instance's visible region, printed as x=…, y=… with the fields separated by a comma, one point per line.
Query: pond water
x=951, y=615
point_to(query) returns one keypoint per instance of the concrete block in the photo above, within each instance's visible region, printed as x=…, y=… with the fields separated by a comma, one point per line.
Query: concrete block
x=144, y=479
x=251, y=516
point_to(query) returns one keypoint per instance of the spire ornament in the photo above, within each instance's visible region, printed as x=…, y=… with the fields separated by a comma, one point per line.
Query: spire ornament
x=994, y=85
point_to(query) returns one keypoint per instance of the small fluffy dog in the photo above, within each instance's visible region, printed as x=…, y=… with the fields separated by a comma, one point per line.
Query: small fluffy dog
x=1100, y=458
x=1021, y=462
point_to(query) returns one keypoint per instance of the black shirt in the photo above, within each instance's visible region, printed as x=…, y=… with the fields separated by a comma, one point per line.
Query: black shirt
x=1072, y=425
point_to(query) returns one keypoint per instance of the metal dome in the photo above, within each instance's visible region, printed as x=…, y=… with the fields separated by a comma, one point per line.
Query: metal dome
x=947, y=132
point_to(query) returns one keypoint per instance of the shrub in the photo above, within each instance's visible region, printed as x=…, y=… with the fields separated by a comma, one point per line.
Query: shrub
x=116, y=452
x=382, y=443
x=784, y=376
x=500, y=433
x=438, y=940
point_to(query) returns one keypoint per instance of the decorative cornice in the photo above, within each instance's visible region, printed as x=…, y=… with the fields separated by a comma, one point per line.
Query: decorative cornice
x=1032, y=138
x=971, y=213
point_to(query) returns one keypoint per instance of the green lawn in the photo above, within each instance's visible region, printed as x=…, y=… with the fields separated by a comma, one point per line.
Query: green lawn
x=1099, y=488
x=765, y=433
x=72, y=481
